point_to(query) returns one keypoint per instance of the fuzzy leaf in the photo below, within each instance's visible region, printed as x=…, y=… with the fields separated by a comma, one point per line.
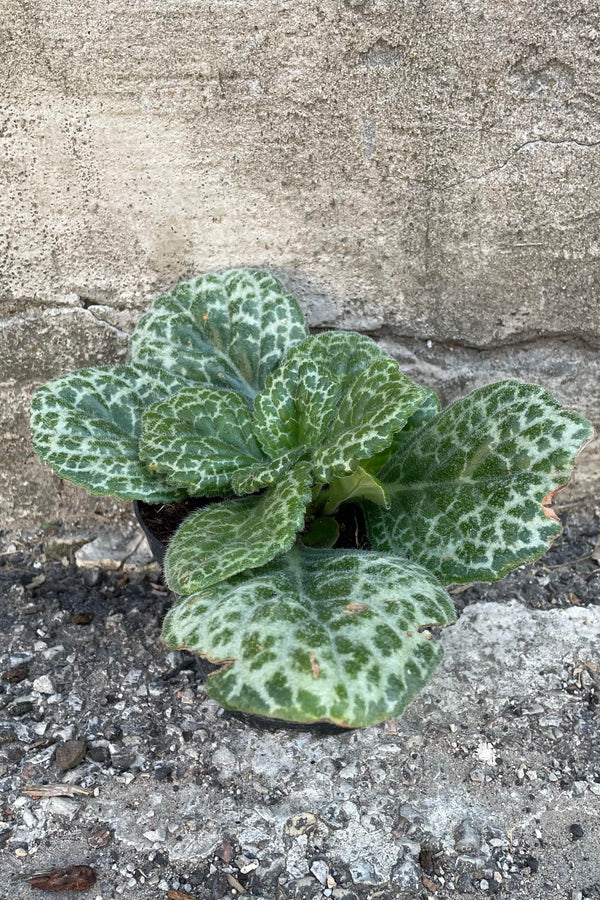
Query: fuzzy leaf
x=323, y=532
x=223, y=539
x=467, y=490
x=87, y=426
x=248, y=481
x=351, y=488
x=199, y=438
x=227, y=330
x=343, y=406
x=429, y=407
x=317, y=635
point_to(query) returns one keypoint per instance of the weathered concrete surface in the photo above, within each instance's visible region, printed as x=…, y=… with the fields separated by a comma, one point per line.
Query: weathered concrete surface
x=431, y=169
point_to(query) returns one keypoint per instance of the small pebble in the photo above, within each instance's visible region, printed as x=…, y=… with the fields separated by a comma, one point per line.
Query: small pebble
x=16, y=674
x=70, y=754
x=320, y=870
x=43, y=685
x=576, y=831
x=19, y=708
x=467, y=838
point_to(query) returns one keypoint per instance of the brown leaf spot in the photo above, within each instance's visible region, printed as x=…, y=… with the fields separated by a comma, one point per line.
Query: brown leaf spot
x=316, y=668
x=355, y=607
x=70, y=878
x=547, y=505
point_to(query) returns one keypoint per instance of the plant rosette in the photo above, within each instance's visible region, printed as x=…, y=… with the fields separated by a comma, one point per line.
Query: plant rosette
x=226, y=396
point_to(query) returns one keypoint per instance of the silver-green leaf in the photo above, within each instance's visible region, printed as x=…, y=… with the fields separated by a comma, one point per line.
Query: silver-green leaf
x=339, y=395
x=227, y=330
x=317, y=635
x=87, y=426
x=470, y=490
x=223, y=539
x=200, y=438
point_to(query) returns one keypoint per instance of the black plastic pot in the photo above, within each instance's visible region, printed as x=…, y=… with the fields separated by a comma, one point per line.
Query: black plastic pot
x=148, y=514
x=158, y=548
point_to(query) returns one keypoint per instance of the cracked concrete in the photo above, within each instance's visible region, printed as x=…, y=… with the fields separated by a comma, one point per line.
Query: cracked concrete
x=525, y=146
x=427, y=169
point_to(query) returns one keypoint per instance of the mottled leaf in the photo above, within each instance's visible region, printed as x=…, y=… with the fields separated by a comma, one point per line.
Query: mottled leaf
x=87, y=426
x=317, y=635
x=429, y=407
x=467, y=489
x=223, y=539
x=343, y=406
x=227, y=330
x=250, y=480
x=199, y=438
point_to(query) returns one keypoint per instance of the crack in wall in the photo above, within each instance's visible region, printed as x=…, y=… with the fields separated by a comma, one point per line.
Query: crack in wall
x=114, y=328
x=507, y=162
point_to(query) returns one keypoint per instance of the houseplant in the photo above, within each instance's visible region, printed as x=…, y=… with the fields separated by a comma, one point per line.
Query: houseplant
x=226, y=396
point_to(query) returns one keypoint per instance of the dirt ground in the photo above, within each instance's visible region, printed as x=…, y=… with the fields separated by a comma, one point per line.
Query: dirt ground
x=489, y=784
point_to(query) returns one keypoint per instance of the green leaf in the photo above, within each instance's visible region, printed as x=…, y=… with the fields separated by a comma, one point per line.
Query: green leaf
x=200, y=438
x=339, y=395
x=429, y=407
x=468, y=489
x=323, y=532
x=317, y=635
x=227, y=330
x=351, y=488
x=87, y=426
x=248, y=481
x=225, y=538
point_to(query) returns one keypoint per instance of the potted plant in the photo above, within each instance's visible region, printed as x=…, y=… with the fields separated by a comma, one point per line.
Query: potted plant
x=226, y=397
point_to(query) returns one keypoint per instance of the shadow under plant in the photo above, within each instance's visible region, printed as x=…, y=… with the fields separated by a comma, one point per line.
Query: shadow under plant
x=490, y=782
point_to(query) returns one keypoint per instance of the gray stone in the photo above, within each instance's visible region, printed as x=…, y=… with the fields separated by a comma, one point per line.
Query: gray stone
x=43, y=685
x=467, y=837
x=406, y=874
x=320, y=870
x=225, y=762
x=114, y=550
x=367, y=871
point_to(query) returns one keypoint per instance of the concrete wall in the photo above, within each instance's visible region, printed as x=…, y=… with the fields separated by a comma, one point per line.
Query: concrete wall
x=423, y=171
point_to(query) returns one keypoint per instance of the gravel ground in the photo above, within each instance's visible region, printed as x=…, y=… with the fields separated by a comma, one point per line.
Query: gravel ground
x=489, y=784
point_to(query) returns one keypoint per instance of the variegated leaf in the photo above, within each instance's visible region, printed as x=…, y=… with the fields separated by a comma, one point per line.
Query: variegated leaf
x=343, y=406
x=248, y=481
x=223, y=539
x=317, y=635
x=429, y=408
x=469, y=489
x=200, y=438
x=87, y=426
x=376, y=406
x=227, y=330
